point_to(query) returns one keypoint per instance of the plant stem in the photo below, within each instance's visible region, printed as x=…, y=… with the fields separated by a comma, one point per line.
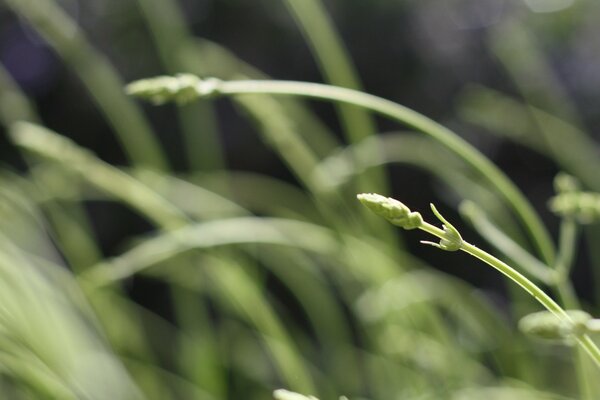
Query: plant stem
x=584, y=340
x=510, y=193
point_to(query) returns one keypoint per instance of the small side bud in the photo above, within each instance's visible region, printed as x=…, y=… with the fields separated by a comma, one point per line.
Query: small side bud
x=583, y=206
x=546, y=325
x=452, y=241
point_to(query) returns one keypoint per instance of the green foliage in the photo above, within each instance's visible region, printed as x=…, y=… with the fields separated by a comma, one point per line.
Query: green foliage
x=271, y=284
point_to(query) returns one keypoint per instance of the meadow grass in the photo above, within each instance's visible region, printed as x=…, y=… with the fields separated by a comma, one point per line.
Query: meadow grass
x=270, y=284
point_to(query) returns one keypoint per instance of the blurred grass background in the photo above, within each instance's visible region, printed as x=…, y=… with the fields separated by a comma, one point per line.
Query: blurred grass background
x=216, y=250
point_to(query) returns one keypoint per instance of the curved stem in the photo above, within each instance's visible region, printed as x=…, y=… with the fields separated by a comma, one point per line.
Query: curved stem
x=584, y=341
x=468, y=153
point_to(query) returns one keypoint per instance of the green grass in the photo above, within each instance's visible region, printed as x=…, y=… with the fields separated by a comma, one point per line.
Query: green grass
x=270, y=284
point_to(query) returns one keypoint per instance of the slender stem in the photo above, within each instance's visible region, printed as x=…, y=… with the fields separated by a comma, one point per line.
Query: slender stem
x=584, y=340
x=334, y=61
x=517, y=277
x=502, y=242
x=468, y=153
x=569, y=233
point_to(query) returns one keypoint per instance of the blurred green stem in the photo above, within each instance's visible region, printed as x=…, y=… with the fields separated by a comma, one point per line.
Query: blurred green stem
x=336, y=66
x=199, y=126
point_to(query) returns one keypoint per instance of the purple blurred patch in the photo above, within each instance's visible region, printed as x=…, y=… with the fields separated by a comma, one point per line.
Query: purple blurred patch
x=28, y=59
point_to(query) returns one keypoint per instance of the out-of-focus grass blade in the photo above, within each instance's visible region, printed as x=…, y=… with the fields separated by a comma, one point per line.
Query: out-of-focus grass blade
x=279, y=132
x=194, y=200
x=235, y=287
x=96, y=73
x=70, y=225
x=505, y=393
x=133, y=330
x=14, y=105
x=516, y=47
x=424, y=153
x=59, y=149
x=334, y=61
x=239, y=231
x=42, y=322
x=169, y=30
x=214, y=60
x=262, y=194
x=537, y=129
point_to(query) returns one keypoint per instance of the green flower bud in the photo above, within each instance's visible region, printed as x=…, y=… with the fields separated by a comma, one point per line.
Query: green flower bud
x=546, y=325
x=392, y=210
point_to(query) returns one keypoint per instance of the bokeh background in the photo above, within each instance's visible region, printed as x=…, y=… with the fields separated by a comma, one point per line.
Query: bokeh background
x=422, y=54
x=464, y=63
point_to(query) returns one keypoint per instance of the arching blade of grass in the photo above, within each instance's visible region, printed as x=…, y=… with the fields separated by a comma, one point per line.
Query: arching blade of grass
x=96, y=73
x=189, y=87
x=197, y=201
x=238, y=231
x=44, y=142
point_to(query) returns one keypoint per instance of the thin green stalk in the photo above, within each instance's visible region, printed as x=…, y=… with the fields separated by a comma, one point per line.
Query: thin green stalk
x=188, y=88
x=336, y=66
x=569, y=232
x=334, y=62
x=556, y=277
x=451, y=240
x=497, y=238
